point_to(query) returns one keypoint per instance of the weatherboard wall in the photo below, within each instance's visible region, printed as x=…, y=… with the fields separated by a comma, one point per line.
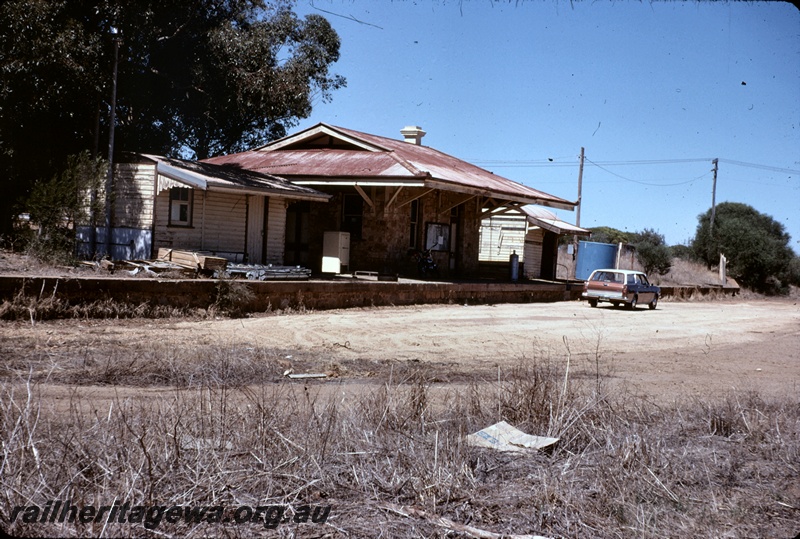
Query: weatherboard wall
x=133, y=196
x=218, y=223
x=534, y=242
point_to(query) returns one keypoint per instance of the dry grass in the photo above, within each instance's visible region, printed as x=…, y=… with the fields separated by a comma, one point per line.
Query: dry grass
x=233, y=436
x=687, y=273
x=230, y=296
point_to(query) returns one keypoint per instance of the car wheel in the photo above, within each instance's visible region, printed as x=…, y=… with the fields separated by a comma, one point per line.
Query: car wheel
x=593, y=303
x=653, y=303
x=632, y=304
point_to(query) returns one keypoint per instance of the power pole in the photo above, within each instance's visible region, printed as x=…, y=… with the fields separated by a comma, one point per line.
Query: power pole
x=714, y=196
x=116, y=38
x=580, y=188
x=578, y=215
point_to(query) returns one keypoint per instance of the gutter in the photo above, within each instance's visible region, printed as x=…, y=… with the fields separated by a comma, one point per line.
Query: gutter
x=439, y=184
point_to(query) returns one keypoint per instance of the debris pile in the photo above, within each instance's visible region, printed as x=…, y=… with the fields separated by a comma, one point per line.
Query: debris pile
x=193, y=259
x=193, y=263
x=257, y=272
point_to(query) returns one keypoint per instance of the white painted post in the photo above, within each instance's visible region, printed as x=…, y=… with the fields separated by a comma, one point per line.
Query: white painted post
x=723, y=263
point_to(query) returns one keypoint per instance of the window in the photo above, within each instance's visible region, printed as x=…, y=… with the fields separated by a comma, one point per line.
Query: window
x=180, y=206
x=352, y=215
x=414, y=219
x=437, y=237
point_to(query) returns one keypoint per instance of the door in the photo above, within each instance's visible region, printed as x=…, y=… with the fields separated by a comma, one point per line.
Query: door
x=549, y=255
x=255, y=229
x=297, y=233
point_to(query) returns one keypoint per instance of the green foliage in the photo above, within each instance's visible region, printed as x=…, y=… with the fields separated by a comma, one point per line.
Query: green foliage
x=58, y=205
x=652, y=251
x=684, y=252
x=213, y=78
x=755, y=245
x=195, y=77
x=606, y=234
x=793, y=276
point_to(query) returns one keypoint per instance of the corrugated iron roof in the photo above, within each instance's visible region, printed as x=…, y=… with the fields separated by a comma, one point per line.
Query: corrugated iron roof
x=328, y=152
x=549, y=221
x=226, y=177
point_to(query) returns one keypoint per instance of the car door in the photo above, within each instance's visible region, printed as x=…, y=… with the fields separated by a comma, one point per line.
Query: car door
x=646, y=292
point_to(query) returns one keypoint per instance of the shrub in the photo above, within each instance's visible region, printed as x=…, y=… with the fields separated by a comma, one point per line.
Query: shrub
x=58, y=205
x=684, y=252
x=652, y=252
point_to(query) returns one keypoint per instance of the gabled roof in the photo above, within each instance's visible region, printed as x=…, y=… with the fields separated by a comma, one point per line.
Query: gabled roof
x=212, y=177
x=330, y=155
x=549, y=221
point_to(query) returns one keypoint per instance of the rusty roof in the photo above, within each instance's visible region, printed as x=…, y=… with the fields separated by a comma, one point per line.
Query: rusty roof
x=324, y=153
x=225, y=177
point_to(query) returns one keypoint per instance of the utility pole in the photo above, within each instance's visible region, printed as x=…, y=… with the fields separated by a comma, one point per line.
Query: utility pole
x=580, y=189
x=116, y=38
x=578, y=215
x=714, y=196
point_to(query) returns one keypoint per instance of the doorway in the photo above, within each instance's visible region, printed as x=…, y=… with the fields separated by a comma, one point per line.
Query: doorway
x=298, y=216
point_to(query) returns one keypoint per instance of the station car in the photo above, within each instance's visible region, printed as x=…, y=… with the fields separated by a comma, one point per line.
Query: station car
x=620, y=287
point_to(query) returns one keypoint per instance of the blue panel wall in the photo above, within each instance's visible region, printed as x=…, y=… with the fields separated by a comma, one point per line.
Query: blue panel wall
x=592, y=256
x=126, y=243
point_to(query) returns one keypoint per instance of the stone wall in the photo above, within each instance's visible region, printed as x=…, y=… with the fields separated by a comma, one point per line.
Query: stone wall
x=269, y=296
x=386, y=230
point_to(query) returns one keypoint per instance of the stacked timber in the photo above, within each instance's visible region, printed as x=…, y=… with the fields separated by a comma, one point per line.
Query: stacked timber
x=193, y=259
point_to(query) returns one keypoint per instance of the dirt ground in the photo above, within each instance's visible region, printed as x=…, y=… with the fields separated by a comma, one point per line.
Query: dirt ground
x=680, y=350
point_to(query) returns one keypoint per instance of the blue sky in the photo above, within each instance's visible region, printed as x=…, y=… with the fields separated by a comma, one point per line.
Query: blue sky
x=652, y=91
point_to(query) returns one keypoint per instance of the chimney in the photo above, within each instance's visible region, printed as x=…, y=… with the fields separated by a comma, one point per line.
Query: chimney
x=413, y=134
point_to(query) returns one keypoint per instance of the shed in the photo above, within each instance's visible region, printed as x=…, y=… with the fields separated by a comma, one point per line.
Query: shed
x=541, y=241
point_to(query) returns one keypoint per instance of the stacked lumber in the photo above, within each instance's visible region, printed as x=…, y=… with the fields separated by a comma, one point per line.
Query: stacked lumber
x=193, y=259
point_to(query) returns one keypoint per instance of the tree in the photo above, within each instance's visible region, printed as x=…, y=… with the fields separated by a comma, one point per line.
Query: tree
x=56, y=206
x=755, y=245
x=50, y=65
x=221, y=76
x=196, y=78
x=684, y=252
x=652, y=251
x=607, y=234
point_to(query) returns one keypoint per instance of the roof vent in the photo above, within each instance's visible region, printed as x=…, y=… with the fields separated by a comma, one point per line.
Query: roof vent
x=413, y=134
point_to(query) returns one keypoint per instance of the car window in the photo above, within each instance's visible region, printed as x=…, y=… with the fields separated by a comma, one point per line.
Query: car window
x=631, y=279
x=644, y=280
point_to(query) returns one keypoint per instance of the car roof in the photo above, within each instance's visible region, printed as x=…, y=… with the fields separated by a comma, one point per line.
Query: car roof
x=620, y=271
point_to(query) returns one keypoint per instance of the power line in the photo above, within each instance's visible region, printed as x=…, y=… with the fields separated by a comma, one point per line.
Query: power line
x=762, y=167
x=553, y=163
x=648, y=183
x=521, y=163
